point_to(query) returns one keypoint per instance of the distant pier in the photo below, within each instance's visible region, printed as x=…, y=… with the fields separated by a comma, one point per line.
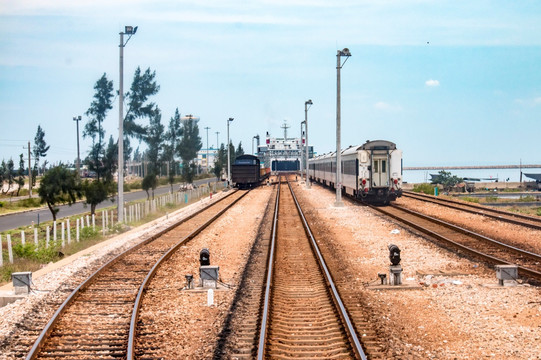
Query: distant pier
x=474, y=167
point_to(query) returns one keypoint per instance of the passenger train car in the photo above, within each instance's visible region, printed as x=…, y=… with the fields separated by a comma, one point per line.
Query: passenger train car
x=371, y=172
x=247, y=172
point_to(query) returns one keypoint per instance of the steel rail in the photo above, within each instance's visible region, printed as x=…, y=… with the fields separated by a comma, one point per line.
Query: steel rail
x=357, y=348
x=523, y=270
x=152, y=272
x=480, y=210
x=266, y=302
x=40, y=341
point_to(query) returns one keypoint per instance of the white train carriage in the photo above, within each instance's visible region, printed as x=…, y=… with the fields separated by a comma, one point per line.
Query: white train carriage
x=371, y=172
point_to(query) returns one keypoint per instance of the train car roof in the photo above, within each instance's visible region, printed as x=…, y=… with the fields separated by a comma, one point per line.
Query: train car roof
x=247, y=157
x=378, y=145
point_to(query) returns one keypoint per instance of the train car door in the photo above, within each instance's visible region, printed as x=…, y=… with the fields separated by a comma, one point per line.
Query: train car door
x=380, y=170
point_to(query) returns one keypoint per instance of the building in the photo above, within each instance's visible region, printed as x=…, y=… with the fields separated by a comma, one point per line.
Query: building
x=204, y=163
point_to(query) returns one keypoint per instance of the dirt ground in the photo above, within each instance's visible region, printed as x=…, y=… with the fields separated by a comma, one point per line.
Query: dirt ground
x=458, y=312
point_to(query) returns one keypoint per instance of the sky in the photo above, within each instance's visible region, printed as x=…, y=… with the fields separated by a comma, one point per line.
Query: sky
x=450, y=82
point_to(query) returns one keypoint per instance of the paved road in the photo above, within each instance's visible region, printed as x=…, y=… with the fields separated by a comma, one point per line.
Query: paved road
x=8, y=222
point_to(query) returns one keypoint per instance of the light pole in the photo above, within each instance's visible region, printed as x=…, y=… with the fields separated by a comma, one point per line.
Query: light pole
x=303, y=134
x=217, y=141
x=306, y=107
x=207, y=128
x=345, y=52
x=128, y=30
x=77, y=119
x=228, y=155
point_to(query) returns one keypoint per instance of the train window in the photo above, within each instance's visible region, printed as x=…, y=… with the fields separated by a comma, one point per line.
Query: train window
x=383, y=166
x=376, y=170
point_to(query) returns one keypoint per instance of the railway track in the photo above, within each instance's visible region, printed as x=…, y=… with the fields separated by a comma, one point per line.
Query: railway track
x=303, y=315
x=490, y=250
x=94, y=321
x=517, y=219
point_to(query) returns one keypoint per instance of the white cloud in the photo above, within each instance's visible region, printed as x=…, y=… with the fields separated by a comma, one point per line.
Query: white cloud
x=382, y=105
x=432, y=83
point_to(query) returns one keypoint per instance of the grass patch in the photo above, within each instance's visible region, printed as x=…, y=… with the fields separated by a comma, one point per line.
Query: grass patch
x=470, y=199
x=424, y=188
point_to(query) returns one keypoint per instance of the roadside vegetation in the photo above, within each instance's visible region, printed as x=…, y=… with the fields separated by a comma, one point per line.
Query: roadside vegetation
x=29, y=257
x=168, y=157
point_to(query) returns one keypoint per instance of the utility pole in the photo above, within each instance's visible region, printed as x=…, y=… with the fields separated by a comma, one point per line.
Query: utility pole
x=207, y=128
x=228, y=155
x=29, y=173
x=306, y=107
x=77, y=119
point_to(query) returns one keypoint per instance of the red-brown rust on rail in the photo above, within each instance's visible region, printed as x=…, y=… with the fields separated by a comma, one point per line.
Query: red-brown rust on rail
x=304, y=319
x=93, y=322
x=490, y=250
x=500, y=215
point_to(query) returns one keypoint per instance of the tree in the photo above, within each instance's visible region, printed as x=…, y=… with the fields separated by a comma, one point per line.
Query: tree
x=154, y=139
x=232, y=153
x=40, y=150
x=142, y=88
x=9, y=174
x=447, y=180
x=20, y=174
x=221, y=161
x=150, y=182
x=110, y=161
x=96, y=191
x=174, y=131
x=239, y=151
x=2, y=175
x=97, y=112
x=189, y=145
x=59, y=185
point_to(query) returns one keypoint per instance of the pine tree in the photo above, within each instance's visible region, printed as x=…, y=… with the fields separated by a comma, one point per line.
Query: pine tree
x=174, y=131
x=97, y=112
x=20, y=174
x=40, y=150
x=190, y=144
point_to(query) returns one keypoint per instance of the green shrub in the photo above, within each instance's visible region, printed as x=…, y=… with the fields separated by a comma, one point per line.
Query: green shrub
x=492, y=199
x=538, y=212
x=24, y=251
x=126, y=187
x=527, y=198
x=424, y=188
x=30, y=202
x=1, y=204
x=88, y=233
x=136, y=185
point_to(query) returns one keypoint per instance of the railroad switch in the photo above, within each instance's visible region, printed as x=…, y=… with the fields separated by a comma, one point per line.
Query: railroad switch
x=506, y=272
x=209, y=276
x=21, y=282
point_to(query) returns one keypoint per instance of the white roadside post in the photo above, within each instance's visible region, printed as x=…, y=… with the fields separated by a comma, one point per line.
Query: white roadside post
x=10, y=250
